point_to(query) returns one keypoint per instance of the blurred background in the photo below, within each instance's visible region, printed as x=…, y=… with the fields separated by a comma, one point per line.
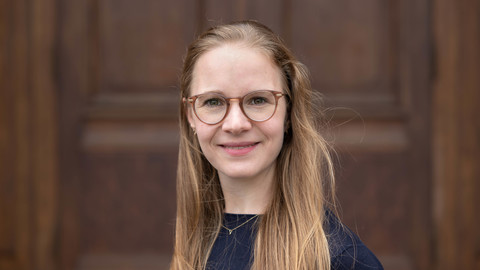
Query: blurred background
x=88, y=124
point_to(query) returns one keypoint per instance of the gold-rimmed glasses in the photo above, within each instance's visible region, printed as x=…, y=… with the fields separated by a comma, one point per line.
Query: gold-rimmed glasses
x=211, y=107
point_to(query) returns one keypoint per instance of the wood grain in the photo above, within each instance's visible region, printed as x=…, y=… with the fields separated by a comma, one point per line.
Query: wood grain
x=456, y=134
x=88, y=131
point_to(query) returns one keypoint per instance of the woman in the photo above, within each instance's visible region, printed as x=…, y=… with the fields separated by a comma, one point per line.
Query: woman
x=255, y=181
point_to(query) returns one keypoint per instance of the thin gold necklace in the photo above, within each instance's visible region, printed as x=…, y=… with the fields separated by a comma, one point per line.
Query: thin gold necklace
x=231, y=230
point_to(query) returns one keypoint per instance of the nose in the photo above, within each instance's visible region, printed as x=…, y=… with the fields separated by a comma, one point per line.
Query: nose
x=236, y=122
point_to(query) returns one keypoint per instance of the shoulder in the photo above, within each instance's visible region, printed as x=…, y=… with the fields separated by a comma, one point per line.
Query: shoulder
x=347, y=251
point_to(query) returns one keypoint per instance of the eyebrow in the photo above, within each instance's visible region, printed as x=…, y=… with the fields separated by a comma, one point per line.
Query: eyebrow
x=222, y=93
x=214, y=92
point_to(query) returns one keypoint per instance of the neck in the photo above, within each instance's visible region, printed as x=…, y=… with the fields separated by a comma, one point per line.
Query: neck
x=247, y=196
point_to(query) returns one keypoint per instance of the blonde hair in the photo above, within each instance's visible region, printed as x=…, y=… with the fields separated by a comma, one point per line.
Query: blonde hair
x=290, y=234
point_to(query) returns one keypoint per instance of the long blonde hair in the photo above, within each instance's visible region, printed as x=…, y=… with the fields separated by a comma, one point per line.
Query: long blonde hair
x=290, y=234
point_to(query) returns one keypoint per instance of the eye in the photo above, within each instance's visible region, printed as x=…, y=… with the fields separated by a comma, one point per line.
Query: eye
x=257, y=101
x=213, y=102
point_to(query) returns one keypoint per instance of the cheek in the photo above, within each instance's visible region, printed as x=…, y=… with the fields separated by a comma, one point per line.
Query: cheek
x=204, y=133
x=275, y=128
x=281, y=119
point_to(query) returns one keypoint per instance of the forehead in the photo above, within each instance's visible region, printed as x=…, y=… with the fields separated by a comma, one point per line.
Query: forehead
x=234, y=69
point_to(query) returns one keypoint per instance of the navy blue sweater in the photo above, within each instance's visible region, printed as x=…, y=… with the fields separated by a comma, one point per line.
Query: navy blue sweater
x=235, y=251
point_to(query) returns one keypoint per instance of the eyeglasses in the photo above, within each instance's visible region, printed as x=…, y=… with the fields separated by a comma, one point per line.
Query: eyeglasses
x=211, y=108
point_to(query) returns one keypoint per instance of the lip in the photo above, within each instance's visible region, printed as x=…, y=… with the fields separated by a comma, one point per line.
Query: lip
x=239, y=149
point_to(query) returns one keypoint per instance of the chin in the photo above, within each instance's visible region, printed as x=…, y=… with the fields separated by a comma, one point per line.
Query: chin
x=246, y=172
x=239, y=175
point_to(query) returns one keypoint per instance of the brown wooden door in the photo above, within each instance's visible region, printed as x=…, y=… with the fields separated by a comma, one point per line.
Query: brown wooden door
x=118, y=64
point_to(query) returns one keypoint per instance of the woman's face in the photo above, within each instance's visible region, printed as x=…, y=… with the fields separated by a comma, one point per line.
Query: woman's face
x=238, y=147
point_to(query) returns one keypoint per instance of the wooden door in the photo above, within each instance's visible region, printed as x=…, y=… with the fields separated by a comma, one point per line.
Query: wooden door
x=371, y=60
x=118, y=64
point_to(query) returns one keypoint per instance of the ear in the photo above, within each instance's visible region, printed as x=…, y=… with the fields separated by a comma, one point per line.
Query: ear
x=189, y=112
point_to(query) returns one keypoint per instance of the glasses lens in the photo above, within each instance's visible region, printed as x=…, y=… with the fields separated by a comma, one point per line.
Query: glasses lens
x=259, y=105
x=210, y=108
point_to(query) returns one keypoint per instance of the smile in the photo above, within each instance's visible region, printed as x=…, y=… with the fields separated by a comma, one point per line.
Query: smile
x=239, y=149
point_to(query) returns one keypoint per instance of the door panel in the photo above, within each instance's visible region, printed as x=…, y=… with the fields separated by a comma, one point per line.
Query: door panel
x=119, y=79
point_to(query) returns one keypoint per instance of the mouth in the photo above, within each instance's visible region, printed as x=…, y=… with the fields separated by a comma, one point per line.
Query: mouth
x=238, y=146
x=239, y=149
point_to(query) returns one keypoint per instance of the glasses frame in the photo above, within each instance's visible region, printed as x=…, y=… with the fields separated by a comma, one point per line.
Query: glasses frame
x=191, y=100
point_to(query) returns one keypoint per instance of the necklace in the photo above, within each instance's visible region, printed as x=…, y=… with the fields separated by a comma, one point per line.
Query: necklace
x=231, y=230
